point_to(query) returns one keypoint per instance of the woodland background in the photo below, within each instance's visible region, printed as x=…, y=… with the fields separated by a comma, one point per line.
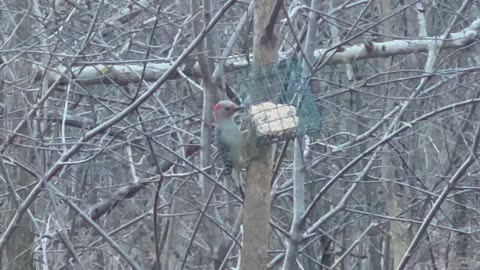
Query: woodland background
x=106, y=135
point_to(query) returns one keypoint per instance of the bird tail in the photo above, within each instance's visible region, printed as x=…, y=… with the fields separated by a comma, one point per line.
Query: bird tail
x=227, y=167
x=237, y=182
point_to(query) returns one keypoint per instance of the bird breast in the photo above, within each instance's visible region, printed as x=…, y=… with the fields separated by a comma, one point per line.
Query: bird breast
x=231, y=134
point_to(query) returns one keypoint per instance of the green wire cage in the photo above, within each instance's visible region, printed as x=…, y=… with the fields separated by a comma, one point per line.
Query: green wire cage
x=280, y=103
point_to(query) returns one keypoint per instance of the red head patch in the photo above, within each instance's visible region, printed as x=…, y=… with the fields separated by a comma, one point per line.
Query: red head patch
x=217, y=107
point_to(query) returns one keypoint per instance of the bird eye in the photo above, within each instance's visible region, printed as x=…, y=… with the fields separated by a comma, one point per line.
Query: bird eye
x=227, y=108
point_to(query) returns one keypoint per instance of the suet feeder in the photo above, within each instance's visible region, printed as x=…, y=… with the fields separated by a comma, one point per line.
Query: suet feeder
x=279, y=102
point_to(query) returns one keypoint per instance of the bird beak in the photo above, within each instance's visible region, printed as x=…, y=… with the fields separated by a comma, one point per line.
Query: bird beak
x=239, y=108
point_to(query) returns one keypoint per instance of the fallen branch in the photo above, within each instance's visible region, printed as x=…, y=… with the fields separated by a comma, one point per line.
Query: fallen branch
x=130, y=73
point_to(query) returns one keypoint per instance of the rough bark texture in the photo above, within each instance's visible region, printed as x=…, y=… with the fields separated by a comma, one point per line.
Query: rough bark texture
x=19, y=248
x=259, y=171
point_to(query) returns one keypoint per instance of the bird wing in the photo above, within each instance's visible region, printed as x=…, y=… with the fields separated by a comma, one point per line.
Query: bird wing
x=224, y=152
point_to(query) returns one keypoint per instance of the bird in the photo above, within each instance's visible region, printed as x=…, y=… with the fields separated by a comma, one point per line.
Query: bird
x=228, y=137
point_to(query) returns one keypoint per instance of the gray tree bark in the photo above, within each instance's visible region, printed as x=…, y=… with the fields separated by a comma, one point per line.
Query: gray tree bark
x=259, y=171
x=18, y=252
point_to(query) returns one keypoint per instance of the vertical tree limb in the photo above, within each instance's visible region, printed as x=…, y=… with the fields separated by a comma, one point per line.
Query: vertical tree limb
x=259, y=171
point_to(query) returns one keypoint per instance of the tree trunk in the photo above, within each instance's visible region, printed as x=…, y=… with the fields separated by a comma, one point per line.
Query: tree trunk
x=259, y=171
x=19, y=248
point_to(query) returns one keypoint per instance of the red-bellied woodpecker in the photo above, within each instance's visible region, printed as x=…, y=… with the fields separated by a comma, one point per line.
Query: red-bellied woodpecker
x=228, y=137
